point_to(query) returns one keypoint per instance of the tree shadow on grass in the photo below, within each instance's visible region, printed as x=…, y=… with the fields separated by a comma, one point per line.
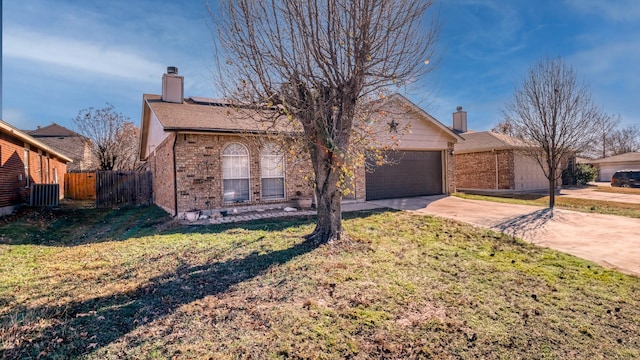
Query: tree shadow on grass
x=82, y=226
x=526, y=225
x=83, y=326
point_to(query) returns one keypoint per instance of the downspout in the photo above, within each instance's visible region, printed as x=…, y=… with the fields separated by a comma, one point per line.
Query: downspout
x=175, y=174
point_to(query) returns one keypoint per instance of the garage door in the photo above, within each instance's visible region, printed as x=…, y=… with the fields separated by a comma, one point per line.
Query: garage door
x=413, y=173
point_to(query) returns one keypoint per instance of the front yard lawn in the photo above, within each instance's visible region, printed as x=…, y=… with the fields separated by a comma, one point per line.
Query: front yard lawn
x=575, y=204
x=134, y=284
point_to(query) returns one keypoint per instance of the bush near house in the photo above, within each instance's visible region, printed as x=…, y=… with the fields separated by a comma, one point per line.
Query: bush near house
x=585, y=173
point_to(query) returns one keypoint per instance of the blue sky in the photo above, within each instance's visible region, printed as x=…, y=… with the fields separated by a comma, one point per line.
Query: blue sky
x=60, y=56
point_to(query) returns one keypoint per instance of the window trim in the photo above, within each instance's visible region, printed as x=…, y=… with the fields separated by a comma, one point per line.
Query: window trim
x=248, y=178
x=272, y=153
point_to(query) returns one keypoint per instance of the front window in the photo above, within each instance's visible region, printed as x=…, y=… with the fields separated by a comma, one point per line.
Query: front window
x=272, y=171
x=235, y=173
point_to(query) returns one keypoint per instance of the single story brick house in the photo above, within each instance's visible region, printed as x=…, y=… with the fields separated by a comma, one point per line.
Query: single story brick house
x=69, y=143
x=609, y=165
x=25, y=161
x=491, y=161
x=208, y=156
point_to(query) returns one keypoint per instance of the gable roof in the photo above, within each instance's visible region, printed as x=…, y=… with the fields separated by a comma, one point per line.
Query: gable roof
x=425, y=115
x=53, y=130
x=626, y=157
x=22, y=136
x=197, y=114
x=487, y=141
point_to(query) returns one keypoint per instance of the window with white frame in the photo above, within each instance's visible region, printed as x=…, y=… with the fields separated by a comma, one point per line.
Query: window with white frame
x=235, y=173
x=272, y=172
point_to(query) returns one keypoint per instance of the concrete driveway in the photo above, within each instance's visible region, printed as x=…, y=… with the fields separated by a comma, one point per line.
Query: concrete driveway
x=592, y=194
x=611, y=241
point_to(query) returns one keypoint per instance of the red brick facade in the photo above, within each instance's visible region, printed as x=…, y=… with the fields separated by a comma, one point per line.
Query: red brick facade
x=18, y=158
x=485, y=170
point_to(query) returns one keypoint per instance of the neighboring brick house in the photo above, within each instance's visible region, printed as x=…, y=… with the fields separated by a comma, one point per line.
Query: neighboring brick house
x=491, y=161
x=206, y=155
x=25, y=161
x=69, y=143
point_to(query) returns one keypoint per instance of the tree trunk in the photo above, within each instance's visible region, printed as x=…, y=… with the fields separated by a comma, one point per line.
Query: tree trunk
x=329, y=206
x=552, y=193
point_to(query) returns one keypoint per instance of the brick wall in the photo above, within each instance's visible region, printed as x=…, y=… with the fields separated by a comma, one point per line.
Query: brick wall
x=450, y=176
x=478, y=170
x=12, y=181
x=160, y=163
x=199, y=172
x=43, y=169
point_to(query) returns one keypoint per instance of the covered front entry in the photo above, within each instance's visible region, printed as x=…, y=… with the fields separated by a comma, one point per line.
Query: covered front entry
x=412, y=173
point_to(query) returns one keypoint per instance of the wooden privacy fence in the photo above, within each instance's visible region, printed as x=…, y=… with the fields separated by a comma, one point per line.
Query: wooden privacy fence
x=123, y=188
x=80, y=186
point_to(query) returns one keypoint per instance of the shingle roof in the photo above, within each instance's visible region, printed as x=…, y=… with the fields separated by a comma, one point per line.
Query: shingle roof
x=199, y=116
x=53, y=130
x=14, y=132
x=627, y=157
x=486, y=141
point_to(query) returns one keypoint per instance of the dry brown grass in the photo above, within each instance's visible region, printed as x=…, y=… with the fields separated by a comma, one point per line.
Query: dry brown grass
x=403, y=286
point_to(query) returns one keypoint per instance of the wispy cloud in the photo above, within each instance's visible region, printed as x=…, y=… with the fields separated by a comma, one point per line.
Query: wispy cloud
x=619, y=10
x=17, y=118
x=102, y=59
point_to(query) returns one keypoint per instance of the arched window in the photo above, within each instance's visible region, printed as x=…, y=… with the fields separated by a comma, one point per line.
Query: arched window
x=272, y=172
x=235, y=173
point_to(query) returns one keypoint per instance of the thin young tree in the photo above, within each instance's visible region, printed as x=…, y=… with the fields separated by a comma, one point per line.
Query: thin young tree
x=113, y=137
x=554, y=112
x=319, y=62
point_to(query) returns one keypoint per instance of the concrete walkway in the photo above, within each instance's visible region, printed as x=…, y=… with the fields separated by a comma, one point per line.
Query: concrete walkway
x=611, y=241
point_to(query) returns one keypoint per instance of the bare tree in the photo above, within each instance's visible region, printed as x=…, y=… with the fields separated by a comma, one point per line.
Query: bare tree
x=624, y=140
x=319, y=61
x=605, y=127
x=113, y=137
x=555, y=114
x=504, y=127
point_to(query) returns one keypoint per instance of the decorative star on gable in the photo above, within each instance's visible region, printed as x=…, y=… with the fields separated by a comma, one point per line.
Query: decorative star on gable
x=393, y=126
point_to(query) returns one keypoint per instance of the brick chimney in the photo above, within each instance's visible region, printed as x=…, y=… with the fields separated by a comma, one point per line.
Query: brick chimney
x=172, y=86
x=460, y=121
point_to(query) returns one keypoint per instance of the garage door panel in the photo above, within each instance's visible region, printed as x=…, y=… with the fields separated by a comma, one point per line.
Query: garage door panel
x=413, y=173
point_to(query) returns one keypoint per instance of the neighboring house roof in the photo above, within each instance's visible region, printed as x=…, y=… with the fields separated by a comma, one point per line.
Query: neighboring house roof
x=22, y=136
x=487, y=141
x=53, y=130
x=627, y=157
x=68, y=143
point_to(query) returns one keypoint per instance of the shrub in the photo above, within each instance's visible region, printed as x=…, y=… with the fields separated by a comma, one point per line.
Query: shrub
x=585, y=173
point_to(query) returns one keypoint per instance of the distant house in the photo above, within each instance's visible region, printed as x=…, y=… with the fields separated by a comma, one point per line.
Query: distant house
x=492, y=161
x=609, y=165
x=69, y=143
x=25, y=161
x=207, y=155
